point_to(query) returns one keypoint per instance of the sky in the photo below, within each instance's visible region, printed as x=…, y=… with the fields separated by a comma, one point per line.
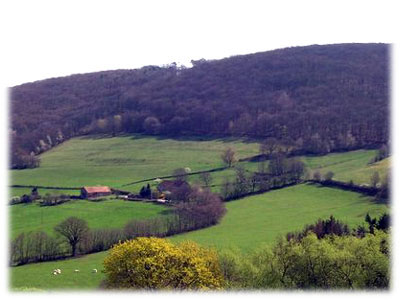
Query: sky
x=44, y=39
x=55, y=38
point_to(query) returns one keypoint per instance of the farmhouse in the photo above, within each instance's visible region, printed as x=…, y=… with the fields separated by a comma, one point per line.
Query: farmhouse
x=95, y=191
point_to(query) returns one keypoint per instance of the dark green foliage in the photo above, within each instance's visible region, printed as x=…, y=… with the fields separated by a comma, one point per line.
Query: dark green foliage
x=321, y=229
x=145, y=191
x=383, y=223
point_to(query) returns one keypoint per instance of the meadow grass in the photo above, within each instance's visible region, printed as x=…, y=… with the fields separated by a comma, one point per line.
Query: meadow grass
x=105, y=214
x=120, y=160
x=248, y=224
x=353, y=165
x=262, y=218
x=39, y=275
x=117, y=161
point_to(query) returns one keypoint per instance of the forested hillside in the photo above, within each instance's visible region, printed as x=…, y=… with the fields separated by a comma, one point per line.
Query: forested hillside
x=318, y=99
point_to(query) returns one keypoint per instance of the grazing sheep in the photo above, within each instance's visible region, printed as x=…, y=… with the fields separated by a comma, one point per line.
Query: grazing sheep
x=94, y=271
x=76, y=271
x=55, y=273
x=188, y=170
x=58, y=271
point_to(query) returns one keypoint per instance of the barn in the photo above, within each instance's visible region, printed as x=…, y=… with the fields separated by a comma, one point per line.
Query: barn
x=95, y=191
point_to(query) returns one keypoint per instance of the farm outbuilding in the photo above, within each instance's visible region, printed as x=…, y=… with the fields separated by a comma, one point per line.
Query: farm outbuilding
x=95, y=191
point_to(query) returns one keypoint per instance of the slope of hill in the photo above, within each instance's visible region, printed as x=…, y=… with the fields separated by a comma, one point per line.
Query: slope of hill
x=260, y=219
x=105, y=214
x=321, y=98
x=249, y=223
x=117, y=161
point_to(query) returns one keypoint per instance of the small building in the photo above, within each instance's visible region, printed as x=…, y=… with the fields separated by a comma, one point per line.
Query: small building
x=95, y=191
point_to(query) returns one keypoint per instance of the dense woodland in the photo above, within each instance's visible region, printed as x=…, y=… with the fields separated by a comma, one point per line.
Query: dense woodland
x=318, y=99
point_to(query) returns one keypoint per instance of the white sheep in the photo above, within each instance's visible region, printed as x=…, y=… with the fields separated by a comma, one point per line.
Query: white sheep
x=58, y=271
x=76, y=271
x=55, y=273
x=94, y=271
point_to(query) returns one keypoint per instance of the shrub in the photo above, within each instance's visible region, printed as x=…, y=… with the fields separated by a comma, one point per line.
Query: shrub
x=15, y=200
x=328, y=176
x=334, y=262
x=153, y=263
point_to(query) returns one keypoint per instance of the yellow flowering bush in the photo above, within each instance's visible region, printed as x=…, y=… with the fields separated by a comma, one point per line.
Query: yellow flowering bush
x=154, y=263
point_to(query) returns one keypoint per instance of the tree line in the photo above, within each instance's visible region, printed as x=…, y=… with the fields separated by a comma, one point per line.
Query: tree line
x=319, y=98
x=324, y=256
x=200, y=209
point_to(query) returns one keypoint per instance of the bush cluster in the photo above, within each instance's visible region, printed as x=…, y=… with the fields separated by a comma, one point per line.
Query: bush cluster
x=153, y=263
x=334, y=262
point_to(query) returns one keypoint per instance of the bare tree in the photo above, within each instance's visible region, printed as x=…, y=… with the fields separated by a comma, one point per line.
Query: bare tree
x=180, y=174
x=74, y=230
x=269, y=146
x=229, y=156
x=328, y=176
x=375, y=179
x=206, y=178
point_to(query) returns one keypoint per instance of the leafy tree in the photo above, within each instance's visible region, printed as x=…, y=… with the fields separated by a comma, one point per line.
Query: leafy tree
x=74, y=230
x=229, y=157
x=153, y=263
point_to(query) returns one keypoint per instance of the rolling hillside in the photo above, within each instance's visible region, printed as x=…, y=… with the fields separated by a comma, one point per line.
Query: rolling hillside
x=322, y=98
x=105, y=214
x=248, y=224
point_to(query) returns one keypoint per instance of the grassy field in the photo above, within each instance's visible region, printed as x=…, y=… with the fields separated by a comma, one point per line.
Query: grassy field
x=262, y=218
x=346, y=166
x=21, y=191
x=120, y=160
x=104, y=214
x=249, y=223
x=40, y=275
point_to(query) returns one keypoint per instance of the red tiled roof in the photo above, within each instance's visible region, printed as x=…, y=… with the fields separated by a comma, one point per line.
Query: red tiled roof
x=97, y=189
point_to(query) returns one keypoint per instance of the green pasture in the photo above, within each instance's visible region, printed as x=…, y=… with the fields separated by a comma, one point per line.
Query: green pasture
x=39, y=276
x=352, y=165
x=22, y=190
x=116, y=161
x=262, y=218
x=249, y=223
x=120, y=160
x=105, y=214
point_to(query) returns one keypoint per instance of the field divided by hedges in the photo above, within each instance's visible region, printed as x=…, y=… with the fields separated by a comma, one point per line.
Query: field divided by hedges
x=249, y=223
